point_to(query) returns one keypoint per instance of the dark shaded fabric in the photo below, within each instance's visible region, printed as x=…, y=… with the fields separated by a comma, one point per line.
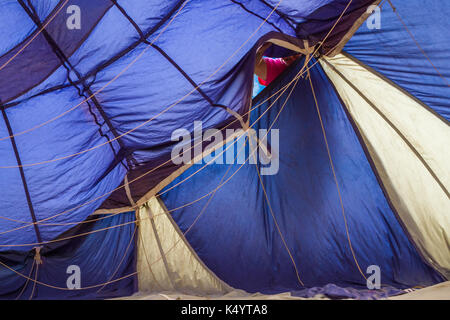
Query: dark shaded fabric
x=100, y=257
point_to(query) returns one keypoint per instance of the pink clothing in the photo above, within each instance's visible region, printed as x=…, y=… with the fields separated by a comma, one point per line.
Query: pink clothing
x=274, y=68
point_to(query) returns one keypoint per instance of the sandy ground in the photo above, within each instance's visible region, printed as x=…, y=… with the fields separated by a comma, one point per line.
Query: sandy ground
x=234, y=295
x=437, y=292
x=440, y=291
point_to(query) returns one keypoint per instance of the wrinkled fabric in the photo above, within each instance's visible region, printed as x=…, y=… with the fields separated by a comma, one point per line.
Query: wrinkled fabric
x=334, y=292
x=98, y=255
x=77, y=162
x=86, y=110
x=237, y=237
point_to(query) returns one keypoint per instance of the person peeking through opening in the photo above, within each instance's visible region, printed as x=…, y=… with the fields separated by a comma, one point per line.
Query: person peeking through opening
x=268, y=69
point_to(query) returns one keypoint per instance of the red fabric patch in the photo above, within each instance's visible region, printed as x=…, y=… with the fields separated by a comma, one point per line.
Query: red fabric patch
x=274, y=68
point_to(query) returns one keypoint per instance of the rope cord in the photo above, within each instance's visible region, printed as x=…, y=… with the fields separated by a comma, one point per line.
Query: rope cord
x=86, y=221
x=111, y=281
x=26, y=283
x=334, y=175
x=149, y=265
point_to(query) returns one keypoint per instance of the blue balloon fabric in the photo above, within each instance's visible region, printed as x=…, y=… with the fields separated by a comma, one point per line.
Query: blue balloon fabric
x=88, y=112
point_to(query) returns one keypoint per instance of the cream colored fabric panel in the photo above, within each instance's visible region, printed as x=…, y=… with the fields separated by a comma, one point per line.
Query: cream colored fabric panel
x=179, y=268
x=420, y=200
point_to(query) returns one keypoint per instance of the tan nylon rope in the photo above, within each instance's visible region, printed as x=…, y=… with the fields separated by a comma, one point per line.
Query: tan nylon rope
x=334, y=175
